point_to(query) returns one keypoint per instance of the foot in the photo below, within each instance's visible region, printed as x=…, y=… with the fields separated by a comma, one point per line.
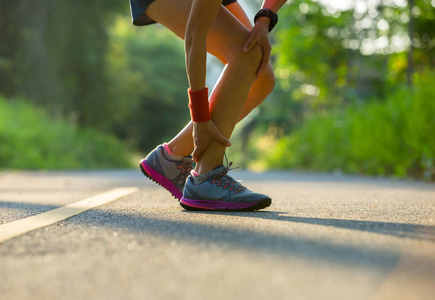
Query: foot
x=170, y=174
x=221, y=192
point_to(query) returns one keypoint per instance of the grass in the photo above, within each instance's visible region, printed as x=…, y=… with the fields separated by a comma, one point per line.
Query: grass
x=31, y=139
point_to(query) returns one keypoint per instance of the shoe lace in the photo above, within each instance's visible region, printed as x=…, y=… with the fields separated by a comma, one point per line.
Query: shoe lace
x=185, y=167
x=228, y=182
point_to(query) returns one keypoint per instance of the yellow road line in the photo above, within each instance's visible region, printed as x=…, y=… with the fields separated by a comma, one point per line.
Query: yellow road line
x=19, y=227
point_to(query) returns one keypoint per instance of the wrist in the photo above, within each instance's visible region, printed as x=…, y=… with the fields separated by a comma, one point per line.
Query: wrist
x=267, y=13
x=263, y=21
x=199, y=106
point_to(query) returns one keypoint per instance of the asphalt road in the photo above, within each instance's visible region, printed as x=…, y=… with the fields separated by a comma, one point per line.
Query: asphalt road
x=323, y=237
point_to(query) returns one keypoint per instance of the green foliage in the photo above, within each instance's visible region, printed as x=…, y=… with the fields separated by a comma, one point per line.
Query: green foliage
x=341, y=75
x=83, y=61
x=55, y=55
x=380, y=138
x=86, y=61
x=30, y=139
x=147, y=71
x=328, y=57
x=318, y=52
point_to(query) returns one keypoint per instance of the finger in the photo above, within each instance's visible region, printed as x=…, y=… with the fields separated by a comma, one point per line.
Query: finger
x=249, y=44
x=262, y=67
x=264, y=61
x=219, y=137
x=197, y=153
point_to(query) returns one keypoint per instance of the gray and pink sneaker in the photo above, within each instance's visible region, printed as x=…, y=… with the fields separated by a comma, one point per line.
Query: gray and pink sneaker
x=170, y=174
x=220, y=192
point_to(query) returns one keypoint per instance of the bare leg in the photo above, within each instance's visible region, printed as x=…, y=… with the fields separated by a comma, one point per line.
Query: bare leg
x=182, y=144
x=265, y=83
x=227, y=101
x=226, y=37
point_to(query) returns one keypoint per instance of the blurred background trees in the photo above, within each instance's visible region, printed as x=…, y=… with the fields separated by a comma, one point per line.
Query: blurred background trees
x=345, y=70
x=351, y=76
x=333, y=53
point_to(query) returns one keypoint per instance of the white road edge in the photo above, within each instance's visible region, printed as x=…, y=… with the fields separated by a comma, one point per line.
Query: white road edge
x=19, y=227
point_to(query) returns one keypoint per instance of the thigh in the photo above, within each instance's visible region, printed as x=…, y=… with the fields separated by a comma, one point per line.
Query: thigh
x=227, y=35
x=236, y=9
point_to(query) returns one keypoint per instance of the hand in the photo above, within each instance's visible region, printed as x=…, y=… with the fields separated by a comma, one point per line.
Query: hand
x=260, y=35
x=203, y=134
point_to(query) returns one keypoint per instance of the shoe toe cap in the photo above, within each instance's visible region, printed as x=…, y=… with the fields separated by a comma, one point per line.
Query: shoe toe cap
x=249, y=196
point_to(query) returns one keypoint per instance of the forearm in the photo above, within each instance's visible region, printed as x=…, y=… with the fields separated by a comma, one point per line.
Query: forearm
x=196, y=57
x=201, y=16
x=273, y=5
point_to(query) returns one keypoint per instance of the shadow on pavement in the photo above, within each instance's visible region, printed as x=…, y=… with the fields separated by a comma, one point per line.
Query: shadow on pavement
x=403, y=230
x=9, y=210
x=254, y=240
x=248, y=240
x=27, y=206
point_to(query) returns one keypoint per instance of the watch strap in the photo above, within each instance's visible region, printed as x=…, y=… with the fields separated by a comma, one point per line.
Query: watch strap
x=265, y=12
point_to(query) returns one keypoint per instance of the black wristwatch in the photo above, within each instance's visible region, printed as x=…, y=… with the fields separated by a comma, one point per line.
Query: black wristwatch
x=265, y=12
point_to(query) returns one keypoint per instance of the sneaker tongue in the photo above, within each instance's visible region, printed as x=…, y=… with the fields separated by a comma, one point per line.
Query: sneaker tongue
x=217, y=170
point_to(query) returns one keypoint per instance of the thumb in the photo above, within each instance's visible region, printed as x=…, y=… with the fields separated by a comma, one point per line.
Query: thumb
x=197, y=153
x=249, y=44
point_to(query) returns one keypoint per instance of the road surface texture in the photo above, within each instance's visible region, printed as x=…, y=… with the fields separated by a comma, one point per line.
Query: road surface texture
x=324, y=237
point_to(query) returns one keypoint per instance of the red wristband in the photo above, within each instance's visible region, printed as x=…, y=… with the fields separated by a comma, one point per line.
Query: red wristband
x=198, y=104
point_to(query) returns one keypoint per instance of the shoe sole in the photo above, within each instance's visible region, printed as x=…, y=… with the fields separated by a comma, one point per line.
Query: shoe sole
x=160, y=179
x=208, y=205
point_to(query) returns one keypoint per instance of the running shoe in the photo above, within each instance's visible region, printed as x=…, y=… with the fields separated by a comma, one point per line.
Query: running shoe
x=170, y=174
x=222, y=193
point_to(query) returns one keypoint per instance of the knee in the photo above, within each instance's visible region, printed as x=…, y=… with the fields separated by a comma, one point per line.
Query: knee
x=249, y=61
x=255, y=55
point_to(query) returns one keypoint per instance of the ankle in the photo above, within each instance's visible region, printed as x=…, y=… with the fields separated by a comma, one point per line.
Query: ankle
x=179, y=150
x=169, y=154
x=212, y=157
x=167, y=148
x=204, y=166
